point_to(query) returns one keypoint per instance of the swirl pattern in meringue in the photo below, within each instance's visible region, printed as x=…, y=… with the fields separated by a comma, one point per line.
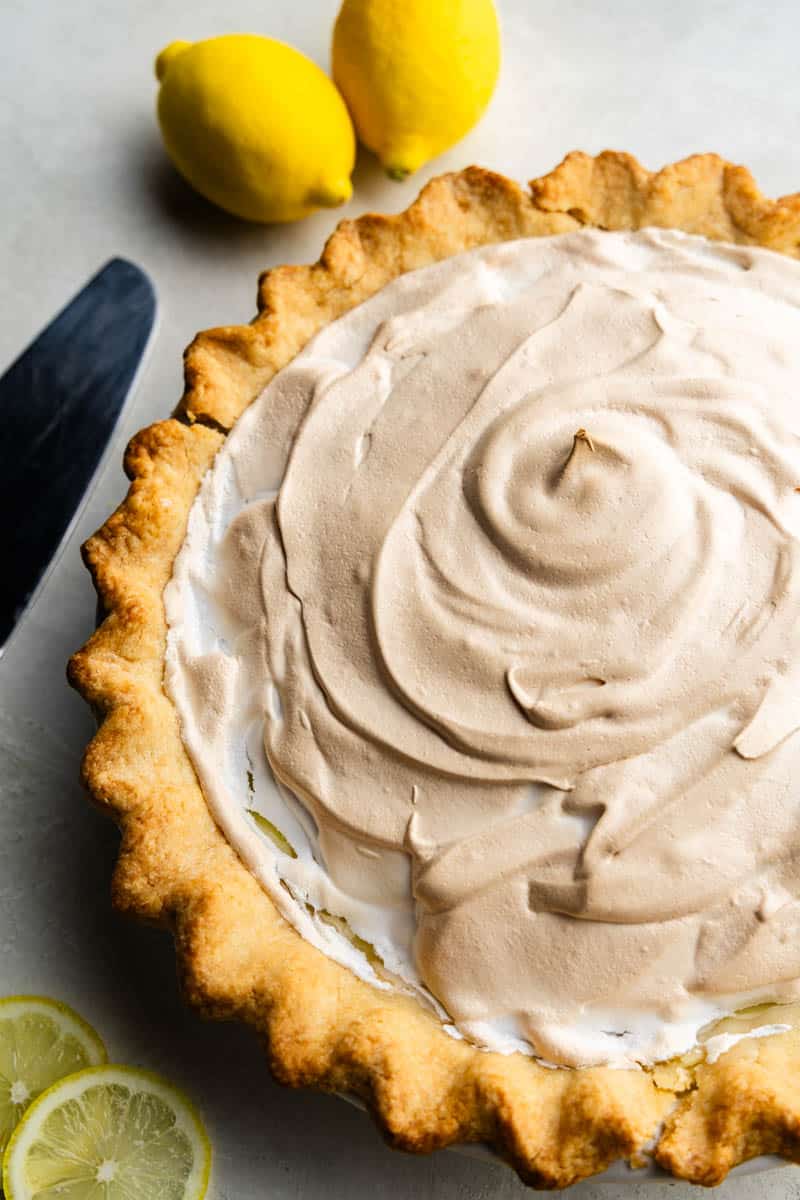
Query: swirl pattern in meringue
x=504, y=569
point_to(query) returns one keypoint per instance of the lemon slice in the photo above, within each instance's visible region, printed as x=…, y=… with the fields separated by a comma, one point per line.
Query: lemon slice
x=108, y=1133
x=41, y=1041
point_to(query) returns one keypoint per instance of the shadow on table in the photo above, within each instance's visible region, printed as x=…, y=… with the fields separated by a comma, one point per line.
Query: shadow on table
x=203, y=227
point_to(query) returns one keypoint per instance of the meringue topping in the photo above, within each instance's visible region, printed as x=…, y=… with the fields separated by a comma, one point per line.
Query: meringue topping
x=495, y=592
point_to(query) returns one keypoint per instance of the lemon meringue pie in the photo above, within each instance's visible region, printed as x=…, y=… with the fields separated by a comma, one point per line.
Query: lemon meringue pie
x=451, y=676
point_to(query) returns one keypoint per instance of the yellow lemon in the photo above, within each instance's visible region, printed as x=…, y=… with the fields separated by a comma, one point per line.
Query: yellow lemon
x=255, y=126
x=416, y=75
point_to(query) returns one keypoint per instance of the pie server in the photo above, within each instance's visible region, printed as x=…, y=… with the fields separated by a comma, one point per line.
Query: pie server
x=59, y=405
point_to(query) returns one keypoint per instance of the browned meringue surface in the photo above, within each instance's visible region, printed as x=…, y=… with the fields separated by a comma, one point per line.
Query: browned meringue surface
x=501, y=572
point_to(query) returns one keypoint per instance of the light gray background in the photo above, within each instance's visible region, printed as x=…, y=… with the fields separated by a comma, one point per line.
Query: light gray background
x=83, y=177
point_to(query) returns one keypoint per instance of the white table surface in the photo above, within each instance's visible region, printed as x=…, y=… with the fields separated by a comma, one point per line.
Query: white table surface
x=84, y=177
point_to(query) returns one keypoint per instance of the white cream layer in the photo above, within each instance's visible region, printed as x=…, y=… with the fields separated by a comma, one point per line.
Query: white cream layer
x=605, y=860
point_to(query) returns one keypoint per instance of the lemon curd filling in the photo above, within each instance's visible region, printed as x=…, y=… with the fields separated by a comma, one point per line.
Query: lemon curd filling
x=484, y=641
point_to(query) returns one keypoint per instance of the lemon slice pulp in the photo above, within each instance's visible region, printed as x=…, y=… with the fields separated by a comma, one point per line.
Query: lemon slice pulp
x=108, y=1133
x=41, y=1041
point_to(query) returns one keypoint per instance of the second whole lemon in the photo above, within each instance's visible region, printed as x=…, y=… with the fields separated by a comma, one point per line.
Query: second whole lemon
x=416, y=75
x=255, y=126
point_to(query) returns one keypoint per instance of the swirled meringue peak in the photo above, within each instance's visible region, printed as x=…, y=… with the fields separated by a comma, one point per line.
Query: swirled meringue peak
x=485, y=640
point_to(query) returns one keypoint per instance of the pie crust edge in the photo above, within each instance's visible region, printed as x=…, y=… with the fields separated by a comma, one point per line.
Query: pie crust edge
x=238, y=958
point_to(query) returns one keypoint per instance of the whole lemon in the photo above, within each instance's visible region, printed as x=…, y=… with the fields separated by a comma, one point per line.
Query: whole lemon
x=416, y=75
x=255, y=126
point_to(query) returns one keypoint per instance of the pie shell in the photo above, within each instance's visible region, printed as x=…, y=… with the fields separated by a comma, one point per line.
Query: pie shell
x=320, y=1025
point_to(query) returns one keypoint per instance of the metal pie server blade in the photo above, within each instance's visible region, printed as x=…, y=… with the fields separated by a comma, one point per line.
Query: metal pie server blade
x=59, y=404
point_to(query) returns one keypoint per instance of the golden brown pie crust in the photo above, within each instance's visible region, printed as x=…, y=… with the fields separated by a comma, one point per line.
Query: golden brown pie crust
x=322, y=1026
